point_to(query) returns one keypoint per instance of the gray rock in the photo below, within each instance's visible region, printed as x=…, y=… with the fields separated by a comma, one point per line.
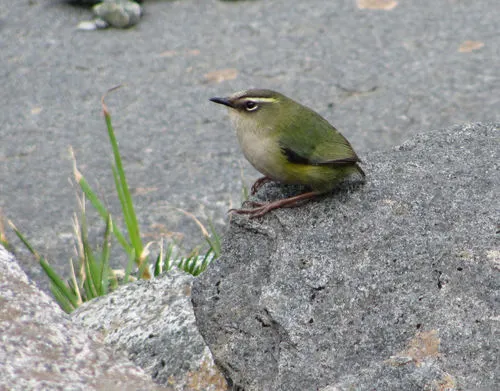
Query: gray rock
x=154, y=322
x=41, y=349
x=118, y=13
x=393, y=285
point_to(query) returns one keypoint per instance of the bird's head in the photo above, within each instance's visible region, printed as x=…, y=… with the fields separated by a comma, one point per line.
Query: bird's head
x=256, y=108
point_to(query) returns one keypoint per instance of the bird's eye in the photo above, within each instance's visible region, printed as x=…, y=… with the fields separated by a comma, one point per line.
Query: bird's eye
x=251, y=105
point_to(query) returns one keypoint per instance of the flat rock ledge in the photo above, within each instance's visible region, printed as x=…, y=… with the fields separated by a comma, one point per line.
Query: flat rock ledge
x=392, y=285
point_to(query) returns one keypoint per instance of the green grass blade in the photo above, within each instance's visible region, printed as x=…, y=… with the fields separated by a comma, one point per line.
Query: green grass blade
x=125, y=210
x=62, y=299
x=125, y=197
x=188, y=264
x=58, y=282
x=168, y=259
x=24, y=240
x=191, y=264
x=89, y=282
x=104, y=273
x=101, y=209
x=122, y=186
x=196, y=264
x=91, y=271
x=207, y=259
x=74, y=283
x=3, y=238
x=158, y=269
x=50, y=272
x=158, y=266
x=130, y=265
x=182, y=264
x=214, y=240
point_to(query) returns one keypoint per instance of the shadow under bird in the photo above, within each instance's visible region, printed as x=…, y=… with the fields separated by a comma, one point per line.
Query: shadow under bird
x=288, y=143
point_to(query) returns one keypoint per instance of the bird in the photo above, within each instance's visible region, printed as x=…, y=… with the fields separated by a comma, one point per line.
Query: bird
x=288, y=143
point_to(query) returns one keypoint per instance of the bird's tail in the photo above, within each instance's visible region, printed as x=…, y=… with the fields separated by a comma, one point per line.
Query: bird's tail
x=360, y=170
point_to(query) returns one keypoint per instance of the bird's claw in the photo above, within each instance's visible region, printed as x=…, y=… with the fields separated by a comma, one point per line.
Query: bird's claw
x=260, y=210
x=253, y=206
x=258, y=184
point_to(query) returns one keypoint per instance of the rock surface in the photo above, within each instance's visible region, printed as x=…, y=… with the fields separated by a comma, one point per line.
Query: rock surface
x=393, y=285
x=41, y=349
x=154, y=322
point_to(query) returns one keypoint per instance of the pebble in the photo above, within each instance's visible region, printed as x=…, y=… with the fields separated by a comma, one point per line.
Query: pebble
x=114, y=13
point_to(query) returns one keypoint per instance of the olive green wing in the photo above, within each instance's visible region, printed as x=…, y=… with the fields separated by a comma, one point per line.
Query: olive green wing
x=309, y=139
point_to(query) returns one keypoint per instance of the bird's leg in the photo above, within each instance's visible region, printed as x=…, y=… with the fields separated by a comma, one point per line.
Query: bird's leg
x=254, y=204
x=263, y=208
x=258, y=184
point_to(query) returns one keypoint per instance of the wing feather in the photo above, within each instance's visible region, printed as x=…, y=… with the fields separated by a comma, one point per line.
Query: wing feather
x=310, y=139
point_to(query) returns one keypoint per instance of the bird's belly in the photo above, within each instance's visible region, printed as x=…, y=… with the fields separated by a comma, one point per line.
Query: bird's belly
x=263, y=158
x=266, y=156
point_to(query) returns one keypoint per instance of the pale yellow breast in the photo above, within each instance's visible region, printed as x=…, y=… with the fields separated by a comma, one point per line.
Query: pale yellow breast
x=258, y=146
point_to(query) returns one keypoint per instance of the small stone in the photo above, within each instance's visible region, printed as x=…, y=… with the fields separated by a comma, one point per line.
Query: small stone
x=87, y=25
x=120, y=14
x=101, y=24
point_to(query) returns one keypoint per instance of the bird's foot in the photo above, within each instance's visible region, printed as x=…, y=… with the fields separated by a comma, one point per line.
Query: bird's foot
x=252, y=206
x=261, y=208
x=258, y=209
x=258, y=184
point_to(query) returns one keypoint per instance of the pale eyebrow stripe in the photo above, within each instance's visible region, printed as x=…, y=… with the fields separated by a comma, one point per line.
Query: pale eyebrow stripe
x=259, y=99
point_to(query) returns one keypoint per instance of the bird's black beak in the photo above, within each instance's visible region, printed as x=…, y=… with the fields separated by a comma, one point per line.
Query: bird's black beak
x=223, y=101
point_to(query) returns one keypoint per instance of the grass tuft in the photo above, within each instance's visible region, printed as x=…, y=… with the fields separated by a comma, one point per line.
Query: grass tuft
x=92, y=275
